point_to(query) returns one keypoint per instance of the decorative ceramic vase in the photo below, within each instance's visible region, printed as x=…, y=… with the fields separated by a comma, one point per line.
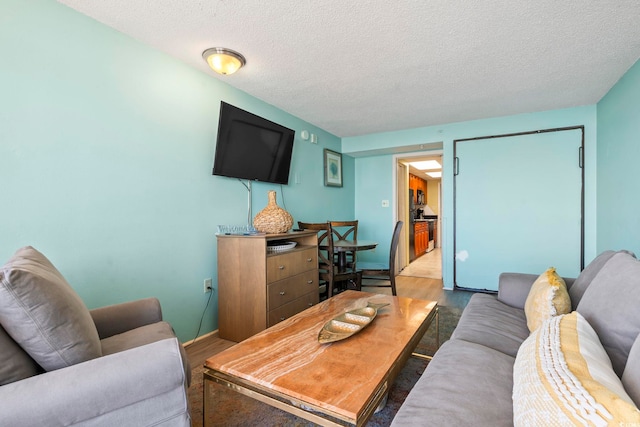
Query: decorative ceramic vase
x=272, y=219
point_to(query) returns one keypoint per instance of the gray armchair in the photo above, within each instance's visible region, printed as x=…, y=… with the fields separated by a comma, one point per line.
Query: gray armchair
x=135, y=374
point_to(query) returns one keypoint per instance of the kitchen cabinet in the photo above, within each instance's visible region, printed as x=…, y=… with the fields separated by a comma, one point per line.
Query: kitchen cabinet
x=415, y=184
x=435, y=234
x=258, y=288
x=421, y=232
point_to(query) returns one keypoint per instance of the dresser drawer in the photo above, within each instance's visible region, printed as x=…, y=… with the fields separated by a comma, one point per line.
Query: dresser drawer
x=286, y=290
x=291, y=263
x=294, y=307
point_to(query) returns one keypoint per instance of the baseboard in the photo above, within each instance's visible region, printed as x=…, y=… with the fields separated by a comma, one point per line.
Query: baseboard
x=208, y=335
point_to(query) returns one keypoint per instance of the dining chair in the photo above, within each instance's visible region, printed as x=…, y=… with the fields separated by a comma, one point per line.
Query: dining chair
x=381, y=272
x=346, y=230
x=330, y=275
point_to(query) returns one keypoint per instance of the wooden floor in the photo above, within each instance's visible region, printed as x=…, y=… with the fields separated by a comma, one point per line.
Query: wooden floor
x=411, y=287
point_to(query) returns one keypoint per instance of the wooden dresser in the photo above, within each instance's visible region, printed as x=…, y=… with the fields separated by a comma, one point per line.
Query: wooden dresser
x=258, y=288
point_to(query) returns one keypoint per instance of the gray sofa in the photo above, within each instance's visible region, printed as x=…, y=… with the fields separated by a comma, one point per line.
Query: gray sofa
x=62, y=364
x=470, y=379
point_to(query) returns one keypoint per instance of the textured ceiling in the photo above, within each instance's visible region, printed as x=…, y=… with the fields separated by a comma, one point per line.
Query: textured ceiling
x=360, y=67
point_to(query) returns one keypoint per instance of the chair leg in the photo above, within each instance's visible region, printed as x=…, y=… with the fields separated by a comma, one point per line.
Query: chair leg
x=359, y=281
x=392, y=280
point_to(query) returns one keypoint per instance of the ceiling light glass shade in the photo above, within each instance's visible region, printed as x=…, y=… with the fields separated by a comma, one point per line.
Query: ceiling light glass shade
x=223, y=61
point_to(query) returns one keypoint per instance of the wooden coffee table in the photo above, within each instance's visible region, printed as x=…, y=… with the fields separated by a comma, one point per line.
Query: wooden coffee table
x=341, y=383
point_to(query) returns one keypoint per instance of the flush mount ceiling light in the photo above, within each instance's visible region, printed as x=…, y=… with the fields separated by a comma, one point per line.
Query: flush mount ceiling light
x=223, y=61
x=435, y=174
x=426, y=165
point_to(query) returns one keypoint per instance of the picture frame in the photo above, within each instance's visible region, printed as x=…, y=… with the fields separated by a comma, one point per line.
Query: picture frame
x=332, y=168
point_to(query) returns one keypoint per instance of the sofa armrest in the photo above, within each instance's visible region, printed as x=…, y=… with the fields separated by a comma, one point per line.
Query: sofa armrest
x=102, y=391
x=513, y=288
x=116, y=319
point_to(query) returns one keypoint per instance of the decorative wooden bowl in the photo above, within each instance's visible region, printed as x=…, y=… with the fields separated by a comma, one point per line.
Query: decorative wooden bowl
x=348, y=324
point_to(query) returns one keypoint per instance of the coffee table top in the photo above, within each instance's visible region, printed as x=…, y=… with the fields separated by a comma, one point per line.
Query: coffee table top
x=341, y=379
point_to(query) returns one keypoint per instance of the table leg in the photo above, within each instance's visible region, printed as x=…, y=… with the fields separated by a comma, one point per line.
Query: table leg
x=206, y=405
x=437, y=320
x=342, y=261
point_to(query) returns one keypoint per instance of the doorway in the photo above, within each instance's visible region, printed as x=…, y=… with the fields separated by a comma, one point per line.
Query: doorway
x=419, y=205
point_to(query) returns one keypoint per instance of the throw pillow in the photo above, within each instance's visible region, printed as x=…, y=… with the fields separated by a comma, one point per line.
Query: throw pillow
x=610, y=305
x=562, y=376
x=15, y=364
x=548, y=297
x=43, y=314
x=631, y=375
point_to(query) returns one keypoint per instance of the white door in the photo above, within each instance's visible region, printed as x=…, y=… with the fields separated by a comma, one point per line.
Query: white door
x=518, y=206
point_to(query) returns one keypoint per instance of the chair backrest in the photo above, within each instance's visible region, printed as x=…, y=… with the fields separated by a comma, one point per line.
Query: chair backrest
x=345, y=230
x=325, y=242
x=394, y=248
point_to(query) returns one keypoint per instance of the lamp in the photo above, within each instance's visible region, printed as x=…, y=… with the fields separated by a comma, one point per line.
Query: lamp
x=223, y=61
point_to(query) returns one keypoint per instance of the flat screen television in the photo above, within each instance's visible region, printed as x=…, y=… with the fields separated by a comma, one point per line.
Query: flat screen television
x=251, y=147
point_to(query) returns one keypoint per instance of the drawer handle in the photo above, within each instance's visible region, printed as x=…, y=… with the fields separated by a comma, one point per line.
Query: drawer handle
x=282, y=318
x=310, y=304
x=309, y=259
x=281, y=267
x=309, y=282
x=281, y=292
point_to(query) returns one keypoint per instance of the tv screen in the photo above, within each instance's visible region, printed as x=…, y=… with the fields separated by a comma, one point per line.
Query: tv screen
x=251, y=147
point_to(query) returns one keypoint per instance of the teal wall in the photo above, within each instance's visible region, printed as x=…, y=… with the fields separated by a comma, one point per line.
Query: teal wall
x=106, y=150
x=107, y=147
x=618, y=161
x=375, y=174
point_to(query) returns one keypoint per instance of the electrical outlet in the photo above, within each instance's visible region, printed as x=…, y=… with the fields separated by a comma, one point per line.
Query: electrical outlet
x=207, y=285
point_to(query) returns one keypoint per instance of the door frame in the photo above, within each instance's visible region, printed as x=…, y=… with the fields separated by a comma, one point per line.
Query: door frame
x=402, y=188
x=402, y=212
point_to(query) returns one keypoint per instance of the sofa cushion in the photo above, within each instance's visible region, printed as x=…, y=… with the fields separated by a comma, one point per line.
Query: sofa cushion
x=631, y=375
x=582, y=282
x=563, y=376
x=492, y=323
x=43, y=313
x=15, y=363
x=466, y=384
x=610, y=305
x=548, y=297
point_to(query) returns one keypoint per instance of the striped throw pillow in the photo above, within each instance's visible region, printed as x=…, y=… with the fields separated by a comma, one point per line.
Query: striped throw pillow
x=563, y=376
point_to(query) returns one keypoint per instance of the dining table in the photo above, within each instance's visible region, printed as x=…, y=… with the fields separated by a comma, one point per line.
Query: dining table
x=341, y=247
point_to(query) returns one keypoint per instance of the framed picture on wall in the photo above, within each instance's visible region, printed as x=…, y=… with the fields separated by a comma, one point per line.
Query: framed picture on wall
x=332, y=168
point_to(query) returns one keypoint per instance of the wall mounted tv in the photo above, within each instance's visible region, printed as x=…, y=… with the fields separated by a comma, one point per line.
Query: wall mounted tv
x=251, y=147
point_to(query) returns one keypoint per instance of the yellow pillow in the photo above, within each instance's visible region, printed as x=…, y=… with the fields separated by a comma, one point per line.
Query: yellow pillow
x=563, y=376
x=548, y=297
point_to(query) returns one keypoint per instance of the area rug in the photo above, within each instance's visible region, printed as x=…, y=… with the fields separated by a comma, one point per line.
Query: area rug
x=234, y=409
x=449, y=317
